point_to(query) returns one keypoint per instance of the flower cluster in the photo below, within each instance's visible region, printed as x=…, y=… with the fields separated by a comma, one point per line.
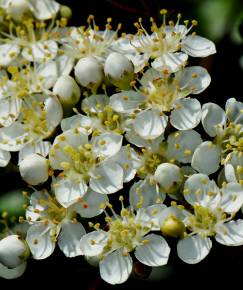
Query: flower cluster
x=96, y=116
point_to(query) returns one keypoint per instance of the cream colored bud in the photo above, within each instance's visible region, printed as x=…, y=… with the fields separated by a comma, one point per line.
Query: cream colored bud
x=89, y=73
x=13, y=251
x=67, y=91
x=119, y=70
x=34, y=169
x=169, y=177
x=172, y=227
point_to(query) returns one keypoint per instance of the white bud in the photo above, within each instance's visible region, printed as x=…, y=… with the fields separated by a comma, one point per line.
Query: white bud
x=34, y=169
x=67, y=91
x=169, y=177
x=89, y=73
x=13, y=251
x=17, y=8
x=119, y=70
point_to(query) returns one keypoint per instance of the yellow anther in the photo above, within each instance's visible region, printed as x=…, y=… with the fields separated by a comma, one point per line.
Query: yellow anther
x=163, y=11
x=188, y=152
x=194, y=22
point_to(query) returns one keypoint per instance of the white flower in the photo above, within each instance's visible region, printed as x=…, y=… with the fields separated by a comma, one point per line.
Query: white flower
x=227, y=129
x=213, y=210
x=127, y=232
x=87, y=162
x=51, y=223
x=119, y=70
x=168, y=45
x=34, y=169
x=159, y=95
x=234, y=167
x=13, y=251
x=89, y=73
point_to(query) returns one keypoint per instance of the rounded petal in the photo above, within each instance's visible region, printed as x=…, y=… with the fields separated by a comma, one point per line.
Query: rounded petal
x=107, y=178
x=182, y=144
x=149, y=124
x=206, y=158
x=89, y=206
x=69, y=238
x=193, y=249
x=212, y=115
x=154, y=252
x=171, y=62
x=232, y=197
x=187, y=115
x=40, y=241
x=44, y=9
x=115, y=268
x=198, y=46
x=92, y=244
x=42, y=148
x=9, y=110
x=234, y=110
x=4, y=158
x=231, y=233
x=68, y=191
x=8, y=52
x=107, y=144
x=7, y=273
x=126, y=101
x=144, y=194
x=199, y=189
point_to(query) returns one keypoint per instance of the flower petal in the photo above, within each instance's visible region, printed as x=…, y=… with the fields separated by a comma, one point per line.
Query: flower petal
x=155, y=252
x=232, y=197
x=44, y=9
x=69, y=239
x=9, y=110
x=206, y=158
x=92, y=244
x=198, y=46
x=231, y=233
x=7, y=273
x=8, y=52
x=187, y=115
x=193, y=249
x=171, y=62
x=115, y=268
x=212, y=115
x=4, y=158
x=42, y=148
x=234, y=110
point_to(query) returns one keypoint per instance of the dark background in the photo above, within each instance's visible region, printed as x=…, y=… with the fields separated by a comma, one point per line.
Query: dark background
x=219, y=20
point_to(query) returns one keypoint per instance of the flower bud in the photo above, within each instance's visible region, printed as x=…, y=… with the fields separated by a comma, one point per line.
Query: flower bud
x=17, y=9
x=67, y=91
x=172, y=227
x=169, y=177
x=34, y=169
x=89, y=73
x=65, y=11
x=119, y=70
x=13, y=251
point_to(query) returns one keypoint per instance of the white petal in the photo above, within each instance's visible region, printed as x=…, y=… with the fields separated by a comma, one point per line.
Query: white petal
x=42, y=148
x=9, y=110
x=181, y=145
x=126, y=101
x=107, y=178
x=95, y=103
x=193, y=79
x=193, y=249
x=232, y=197
x=206, y=158
x=107, y=144
x=48, y=73
x=54, y=111
x=116, y=268
x=234, y=110
x=149, y=124
x=139, y=61
x=76, y=121
x=150, y=75
x=212, y=115
x=142, y=193
x=198, y=46
x=89, y=206
x=231, y=233
x=155, y=252
x=172, y=62
x=4, y=158
x=8, y=52
x=65, y=64
x=68, y=191
x=44, y=9
x=92, y=244
x=69, y=238
x=40, y=242
x=187, y=115
x=199, y=189
x=7, y=273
